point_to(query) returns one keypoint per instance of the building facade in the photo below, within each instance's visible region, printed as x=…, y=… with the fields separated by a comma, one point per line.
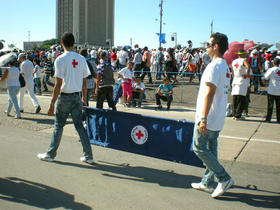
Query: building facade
x=91, y=21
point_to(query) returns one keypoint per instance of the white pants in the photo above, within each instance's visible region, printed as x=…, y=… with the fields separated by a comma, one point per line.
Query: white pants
x=30, y=88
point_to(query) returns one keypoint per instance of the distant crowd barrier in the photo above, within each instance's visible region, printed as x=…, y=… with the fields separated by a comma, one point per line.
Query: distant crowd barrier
x=162, y=138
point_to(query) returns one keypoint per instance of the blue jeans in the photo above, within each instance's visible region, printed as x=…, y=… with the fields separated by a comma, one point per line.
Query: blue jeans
x=13, y=91
x=159, y=71
x=145, y=71
x=205, y=147
x=37, y=82
x=69, y=104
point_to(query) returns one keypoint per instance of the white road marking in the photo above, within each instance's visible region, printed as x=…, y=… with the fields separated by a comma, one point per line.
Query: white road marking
x=253, y=139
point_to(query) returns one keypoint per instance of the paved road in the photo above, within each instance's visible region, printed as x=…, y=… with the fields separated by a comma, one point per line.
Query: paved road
x=249, y=150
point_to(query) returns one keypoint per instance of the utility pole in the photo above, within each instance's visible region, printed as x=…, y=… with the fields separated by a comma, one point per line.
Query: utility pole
x=28, y=36
x=160, y=28
x=211, y=26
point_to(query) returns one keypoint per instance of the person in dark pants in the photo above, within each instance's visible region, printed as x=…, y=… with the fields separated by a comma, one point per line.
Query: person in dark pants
x=240, y=73
x=146, y=58
x=164, y=92
x=70, y=80
x=105, y=82
x=273, y=91
x=138, y=92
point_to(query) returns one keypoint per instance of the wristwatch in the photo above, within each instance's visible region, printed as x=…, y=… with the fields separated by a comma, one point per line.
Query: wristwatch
x=203, y=119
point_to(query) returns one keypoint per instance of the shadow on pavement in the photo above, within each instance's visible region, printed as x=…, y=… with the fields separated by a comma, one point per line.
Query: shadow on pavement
x=139, y=173
x=171, y=179
x=261, y=201
x=35, y=194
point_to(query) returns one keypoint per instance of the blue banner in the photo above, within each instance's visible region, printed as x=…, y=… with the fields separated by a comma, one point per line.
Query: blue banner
x=161, y=38
x=146, y=135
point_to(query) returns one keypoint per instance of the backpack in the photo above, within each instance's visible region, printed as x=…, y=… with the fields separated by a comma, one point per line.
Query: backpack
x=107, y=76
x=92, y=73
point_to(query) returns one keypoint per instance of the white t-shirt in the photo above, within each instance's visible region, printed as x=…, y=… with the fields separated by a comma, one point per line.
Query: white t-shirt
x=218, y=74
x=141, y=86
x=27, y=70
x=126, y=73
x=93, y=54
x=72, y=68
x=123, y=57
x=239, y=83
x=273, y=75
x=13, y=77
x=38, y=72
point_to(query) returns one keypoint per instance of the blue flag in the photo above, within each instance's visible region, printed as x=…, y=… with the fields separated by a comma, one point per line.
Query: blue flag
x=161, y=38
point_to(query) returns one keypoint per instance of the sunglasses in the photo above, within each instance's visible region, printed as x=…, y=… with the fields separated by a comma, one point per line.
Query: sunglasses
x=209, y=45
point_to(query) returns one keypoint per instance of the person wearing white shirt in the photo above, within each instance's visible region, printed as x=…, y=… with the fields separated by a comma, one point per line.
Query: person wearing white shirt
x=273, y=90
x=210, y=115
x=26, y=68
x=122, y=57
x=37, y=75
x=240, y=71
x=138, y=92
x=126, y=75
x=71, y=72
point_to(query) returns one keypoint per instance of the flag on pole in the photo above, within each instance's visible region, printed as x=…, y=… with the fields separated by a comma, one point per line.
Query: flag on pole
x=161, y=38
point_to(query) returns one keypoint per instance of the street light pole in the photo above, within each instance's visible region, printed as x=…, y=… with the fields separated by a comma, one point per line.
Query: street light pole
x=160, y=28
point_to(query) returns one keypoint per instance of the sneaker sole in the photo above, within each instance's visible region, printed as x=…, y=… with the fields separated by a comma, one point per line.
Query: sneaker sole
x=226, y=188
x=45, y=159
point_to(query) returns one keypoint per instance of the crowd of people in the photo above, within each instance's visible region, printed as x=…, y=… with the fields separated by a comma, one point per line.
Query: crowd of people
x=132, y=64
x=79, y=72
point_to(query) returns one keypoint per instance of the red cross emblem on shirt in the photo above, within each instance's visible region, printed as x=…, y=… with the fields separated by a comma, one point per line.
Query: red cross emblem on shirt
x=236, y=65
x=278, y=72
x=74, y=63
x=139, y=135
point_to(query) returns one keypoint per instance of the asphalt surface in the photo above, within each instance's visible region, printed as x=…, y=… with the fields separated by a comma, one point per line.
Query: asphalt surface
x=249, y=151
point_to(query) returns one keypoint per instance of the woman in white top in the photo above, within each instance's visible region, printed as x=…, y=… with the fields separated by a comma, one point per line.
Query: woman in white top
x=12, y=80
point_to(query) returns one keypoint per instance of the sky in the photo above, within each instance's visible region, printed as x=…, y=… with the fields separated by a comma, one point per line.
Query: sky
x=257, y=20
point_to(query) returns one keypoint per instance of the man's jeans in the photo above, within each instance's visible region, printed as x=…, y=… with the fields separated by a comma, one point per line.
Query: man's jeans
x=46, y=80
x=69, y=104
x=13, y=91
x=205, y=147
x=146, y=71
x=159, y=71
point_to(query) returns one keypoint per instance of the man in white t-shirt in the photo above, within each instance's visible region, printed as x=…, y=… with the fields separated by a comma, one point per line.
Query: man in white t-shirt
x=122, y=56
x=240, y=71
x=273, y=91
x=71, y=72
x=26, y=69
x=210, y=115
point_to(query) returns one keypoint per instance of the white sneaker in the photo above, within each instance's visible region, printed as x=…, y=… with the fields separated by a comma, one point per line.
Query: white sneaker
x=45, y=157
x=86, y=160
x=222, y=187
x=200, y=186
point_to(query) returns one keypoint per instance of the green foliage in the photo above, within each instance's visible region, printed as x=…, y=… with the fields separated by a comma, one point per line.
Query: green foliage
x=178, y=47
x=48, y=43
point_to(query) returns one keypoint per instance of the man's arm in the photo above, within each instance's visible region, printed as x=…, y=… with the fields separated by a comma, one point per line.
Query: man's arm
x=246, y=63
x=84, y=91
x=5, y=75
x=56, y=92
x=210, y=93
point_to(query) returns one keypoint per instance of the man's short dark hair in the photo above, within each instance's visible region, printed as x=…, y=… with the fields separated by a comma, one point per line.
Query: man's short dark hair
x=221, y=40
x=68, y=39
x=276, y=61
x=84, y=52
x=103, y=55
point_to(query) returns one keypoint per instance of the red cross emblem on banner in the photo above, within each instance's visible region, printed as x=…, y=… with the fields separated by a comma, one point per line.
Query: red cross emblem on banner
x=74, y=63
x=236, y=65
x=139, y=134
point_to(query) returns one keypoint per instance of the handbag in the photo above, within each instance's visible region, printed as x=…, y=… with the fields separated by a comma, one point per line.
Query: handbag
x=21, y=80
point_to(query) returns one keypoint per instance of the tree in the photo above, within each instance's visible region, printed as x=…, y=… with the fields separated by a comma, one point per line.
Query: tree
x=48, y=43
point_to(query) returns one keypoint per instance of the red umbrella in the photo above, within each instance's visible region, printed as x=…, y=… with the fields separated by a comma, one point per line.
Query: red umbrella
x=230, y=55
x=248, y=44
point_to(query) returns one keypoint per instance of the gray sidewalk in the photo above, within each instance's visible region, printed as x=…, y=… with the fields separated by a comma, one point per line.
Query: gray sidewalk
x=249, y=150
